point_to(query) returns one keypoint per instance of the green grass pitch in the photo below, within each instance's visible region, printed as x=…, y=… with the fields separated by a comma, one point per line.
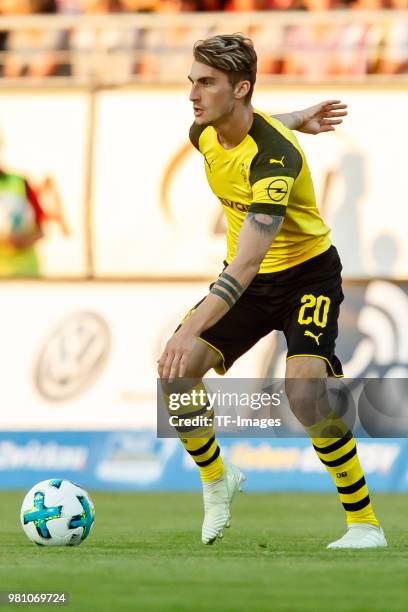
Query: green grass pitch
x=145, y=554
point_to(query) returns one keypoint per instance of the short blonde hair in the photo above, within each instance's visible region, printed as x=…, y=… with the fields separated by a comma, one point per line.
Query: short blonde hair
x=233, y=54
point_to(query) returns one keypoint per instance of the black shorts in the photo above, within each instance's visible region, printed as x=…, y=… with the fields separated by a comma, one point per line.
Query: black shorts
x=303, y=302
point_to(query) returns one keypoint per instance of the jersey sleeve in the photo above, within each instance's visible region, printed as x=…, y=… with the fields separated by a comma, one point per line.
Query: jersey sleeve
x=195, y=133
x=273, y=172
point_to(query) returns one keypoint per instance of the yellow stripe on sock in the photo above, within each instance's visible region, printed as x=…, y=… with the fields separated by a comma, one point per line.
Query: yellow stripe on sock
x=343, y=465
x=206, y=454
x=199, y=441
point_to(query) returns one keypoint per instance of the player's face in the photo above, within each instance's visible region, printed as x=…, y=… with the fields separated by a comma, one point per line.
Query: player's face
x=211, y=93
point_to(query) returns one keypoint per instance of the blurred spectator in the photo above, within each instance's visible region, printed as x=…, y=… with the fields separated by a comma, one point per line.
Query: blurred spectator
x=318, y=50
x=68, y=7
x=283, y=5
x=138, y=6
x=21, y=219
x=175, y=6
x=242, y=6
x=167, y=51
x=24, y=211
x=366, y=5
x=104, y=54
x=210, y=5
x=31, y=51
x=311, y=48
x=398, y=5
x=361, y=42
x=269, y=42
x=394, y=58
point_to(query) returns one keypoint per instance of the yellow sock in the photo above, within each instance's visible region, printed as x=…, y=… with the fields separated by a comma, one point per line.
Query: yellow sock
x=207, y=456
x=200, y=442
x=339, y=455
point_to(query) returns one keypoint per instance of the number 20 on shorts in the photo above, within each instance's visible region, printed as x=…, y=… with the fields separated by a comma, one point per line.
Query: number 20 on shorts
x=314, y=309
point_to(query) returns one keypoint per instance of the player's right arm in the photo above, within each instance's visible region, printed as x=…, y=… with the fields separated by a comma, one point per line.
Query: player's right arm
x=315, y=119
x=271, y=185
x=258, y=231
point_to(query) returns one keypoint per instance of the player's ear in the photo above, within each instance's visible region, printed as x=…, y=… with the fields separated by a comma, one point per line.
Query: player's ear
x=241, y=89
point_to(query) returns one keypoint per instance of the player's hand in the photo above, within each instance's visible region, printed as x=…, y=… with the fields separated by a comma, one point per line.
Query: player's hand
x=322, y=117
x=173, y=360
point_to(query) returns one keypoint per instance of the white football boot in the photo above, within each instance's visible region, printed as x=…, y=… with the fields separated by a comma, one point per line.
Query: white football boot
x=361, y=535
x=218, y=496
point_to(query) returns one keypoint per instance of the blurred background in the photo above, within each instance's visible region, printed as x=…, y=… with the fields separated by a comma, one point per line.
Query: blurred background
x=109, y=232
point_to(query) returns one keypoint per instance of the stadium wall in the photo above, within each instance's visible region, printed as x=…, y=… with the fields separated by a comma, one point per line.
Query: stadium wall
x=78, y=356
x=78, y=363
x=131, y=184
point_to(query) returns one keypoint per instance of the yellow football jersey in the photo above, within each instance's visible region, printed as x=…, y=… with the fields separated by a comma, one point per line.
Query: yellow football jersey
x=267, y=167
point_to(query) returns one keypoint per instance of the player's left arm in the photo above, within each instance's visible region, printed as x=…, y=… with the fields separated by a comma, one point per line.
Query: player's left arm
x=256, y=236
x=322, y=117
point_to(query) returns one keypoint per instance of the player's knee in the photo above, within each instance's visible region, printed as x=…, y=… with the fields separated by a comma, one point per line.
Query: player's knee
x=202, y=359
x=307, y=395
x=180, y=385
x=306, y=367
x=303, y=401
x=192, y=377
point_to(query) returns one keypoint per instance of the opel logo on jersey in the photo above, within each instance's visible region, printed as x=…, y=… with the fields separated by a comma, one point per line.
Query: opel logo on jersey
x=277, y=190
x=72, y=356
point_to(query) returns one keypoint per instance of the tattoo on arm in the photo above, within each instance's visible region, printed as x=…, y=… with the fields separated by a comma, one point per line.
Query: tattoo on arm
x=228, y=288
x=265, y=224
x=215, y=291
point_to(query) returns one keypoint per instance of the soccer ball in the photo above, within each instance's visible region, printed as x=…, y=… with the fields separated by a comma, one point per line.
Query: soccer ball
x=57, y=512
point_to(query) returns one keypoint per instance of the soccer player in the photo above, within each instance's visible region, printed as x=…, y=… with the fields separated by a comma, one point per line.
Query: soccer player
x=282, y=272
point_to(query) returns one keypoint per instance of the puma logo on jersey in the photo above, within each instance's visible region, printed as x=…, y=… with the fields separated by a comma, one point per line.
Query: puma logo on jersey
x=209, y=163
x=309, y=333
x=277, y=161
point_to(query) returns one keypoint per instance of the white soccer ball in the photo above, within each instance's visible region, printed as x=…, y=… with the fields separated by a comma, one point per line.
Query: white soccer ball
x=57, y=512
